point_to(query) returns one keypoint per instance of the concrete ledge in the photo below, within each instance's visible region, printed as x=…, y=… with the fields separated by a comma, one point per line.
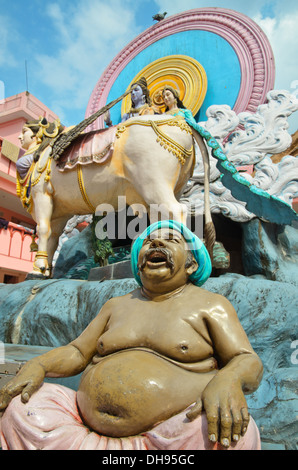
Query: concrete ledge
x=120, y=270
x=15, y=355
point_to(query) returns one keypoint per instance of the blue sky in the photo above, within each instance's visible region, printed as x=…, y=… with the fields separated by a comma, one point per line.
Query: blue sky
x=68, y=44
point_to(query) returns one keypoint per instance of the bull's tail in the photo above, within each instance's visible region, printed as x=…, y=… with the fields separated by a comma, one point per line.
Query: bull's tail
x=209, y=229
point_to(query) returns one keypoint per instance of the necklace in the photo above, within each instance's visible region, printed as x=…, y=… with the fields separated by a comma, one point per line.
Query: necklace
x=137, y=110
x=32, y=150
x=173, y=111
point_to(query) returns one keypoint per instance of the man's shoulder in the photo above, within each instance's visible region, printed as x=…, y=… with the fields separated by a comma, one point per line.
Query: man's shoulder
x=211, y=299
x=136, y=293
x=203, y=292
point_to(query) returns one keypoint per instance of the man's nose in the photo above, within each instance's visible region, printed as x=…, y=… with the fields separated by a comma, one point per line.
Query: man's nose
x=157, y=243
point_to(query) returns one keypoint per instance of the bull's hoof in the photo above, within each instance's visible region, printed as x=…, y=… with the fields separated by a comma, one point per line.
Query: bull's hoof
x=37, y=276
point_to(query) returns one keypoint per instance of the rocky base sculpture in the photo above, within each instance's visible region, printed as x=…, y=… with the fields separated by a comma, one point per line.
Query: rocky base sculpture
x=45, y=313
x=157, y=364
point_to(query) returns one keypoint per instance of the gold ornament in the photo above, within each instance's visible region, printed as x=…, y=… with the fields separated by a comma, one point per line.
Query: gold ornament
x=182, y=73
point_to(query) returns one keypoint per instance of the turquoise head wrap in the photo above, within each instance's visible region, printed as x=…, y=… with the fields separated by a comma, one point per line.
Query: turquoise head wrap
x=196, y=246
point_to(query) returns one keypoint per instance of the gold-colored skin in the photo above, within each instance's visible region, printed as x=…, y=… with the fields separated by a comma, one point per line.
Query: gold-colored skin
x=153, y=352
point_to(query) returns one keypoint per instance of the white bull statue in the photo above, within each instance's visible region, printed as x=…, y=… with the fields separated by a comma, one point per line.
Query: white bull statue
x=147, y=160
x=149, y=163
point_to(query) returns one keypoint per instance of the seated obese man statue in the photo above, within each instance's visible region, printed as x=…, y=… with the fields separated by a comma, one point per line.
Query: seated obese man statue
x=164, y=367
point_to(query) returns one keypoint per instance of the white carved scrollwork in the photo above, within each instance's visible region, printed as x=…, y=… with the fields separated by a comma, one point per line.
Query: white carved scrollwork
x=248, y=139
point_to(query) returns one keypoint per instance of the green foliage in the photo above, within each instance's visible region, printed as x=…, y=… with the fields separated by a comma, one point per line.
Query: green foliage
x=102, y=248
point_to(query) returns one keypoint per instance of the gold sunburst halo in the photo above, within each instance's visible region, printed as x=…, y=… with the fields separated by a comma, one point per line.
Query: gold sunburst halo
x=183, y=73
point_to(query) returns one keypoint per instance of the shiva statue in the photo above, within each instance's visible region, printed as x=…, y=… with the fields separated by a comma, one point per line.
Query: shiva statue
x=140, y=102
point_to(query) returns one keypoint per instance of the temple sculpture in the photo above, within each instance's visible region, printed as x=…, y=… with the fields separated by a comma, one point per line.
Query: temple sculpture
x=168, y=363
x=151, y=159
x=163, y=360
x=140, y=103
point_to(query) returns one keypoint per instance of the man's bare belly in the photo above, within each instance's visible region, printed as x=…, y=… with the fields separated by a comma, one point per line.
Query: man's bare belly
x=131, y=391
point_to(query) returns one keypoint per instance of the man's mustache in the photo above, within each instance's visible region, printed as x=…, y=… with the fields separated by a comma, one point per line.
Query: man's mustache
x=166, y=254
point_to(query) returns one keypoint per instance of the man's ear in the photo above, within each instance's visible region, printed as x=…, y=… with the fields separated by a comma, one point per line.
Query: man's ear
x=192, y=267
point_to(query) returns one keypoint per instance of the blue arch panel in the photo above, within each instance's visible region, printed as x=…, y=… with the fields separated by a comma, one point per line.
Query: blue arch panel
x=214, y=53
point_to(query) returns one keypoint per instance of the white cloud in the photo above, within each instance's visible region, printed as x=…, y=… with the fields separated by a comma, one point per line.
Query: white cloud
x=249, y=8
x=89, y=35
x=85, y=35
x=176, y=6
x=282, y=35
x=6, y=40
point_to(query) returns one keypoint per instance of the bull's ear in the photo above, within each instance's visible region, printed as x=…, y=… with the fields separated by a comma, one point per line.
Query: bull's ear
x=44, y=121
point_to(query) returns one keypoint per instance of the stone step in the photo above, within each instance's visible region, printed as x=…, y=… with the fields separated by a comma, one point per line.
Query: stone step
x=120, y=270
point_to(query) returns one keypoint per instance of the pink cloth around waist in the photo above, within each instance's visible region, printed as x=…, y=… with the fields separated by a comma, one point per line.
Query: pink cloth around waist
x=51, y=421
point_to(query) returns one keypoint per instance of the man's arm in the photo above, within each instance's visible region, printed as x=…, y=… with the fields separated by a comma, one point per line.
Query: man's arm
x=233, y=349
x=64, y=361
x=240, y=372
x=60, y=362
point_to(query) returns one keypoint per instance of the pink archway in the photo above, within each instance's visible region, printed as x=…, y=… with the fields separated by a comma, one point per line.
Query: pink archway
x=243, y=34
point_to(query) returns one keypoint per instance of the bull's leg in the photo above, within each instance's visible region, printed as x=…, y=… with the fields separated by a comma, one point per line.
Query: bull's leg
x=57, y=226
x=163, y=205
x=43, y=209
x=167, y=211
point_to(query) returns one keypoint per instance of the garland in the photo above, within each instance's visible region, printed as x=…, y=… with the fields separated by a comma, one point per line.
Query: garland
x=24, y=186
x=164, y=140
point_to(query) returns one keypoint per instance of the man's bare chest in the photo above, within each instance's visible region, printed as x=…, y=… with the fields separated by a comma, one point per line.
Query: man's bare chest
x=169, y=329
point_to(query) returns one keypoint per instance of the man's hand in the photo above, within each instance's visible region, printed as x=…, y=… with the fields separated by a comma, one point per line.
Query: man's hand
x=26, y=382
x=64, y=361
x=226, y=409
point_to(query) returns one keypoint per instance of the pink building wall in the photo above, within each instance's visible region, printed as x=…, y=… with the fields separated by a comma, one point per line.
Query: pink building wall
x=16, y=260
x=15, y=255
x=7, y=167
x=16, y=110
x=11, y=130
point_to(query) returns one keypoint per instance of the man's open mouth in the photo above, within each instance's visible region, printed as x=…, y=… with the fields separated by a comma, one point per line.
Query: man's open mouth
x=156, y=258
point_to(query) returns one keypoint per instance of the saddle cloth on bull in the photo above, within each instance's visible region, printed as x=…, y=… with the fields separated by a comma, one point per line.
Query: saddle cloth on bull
x=95, y=147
